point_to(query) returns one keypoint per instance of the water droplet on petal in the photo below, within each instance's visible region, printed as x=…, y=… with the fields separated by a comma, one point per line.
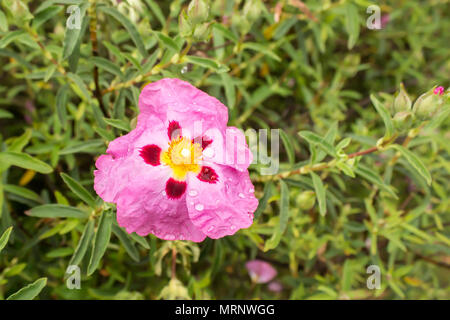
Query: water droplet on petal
x=184, y=69
x=251, y=190
x=232, y=227
x=193, y=193
x=211, y=228
x=241, y=195
x=199, y=207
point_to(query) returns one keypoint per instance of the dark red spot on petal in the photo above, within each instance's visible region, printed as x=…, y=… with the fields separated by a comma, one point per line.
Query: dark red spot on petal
x=174, y=130
x=207, y=174
x=204, y=141
x=175, y=189
x=150, y=153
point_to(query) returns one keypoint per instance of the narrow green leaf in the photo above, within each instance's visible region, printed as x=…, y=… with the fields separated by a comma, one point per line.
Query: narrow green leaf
x=3, y=22
x=167, y=41
x=107, y=65
x=72, y=36
x=20, y=142
x=25, y=161
x=61, y=104
x=414, y=161
x=226, y=32
x=79, y=190
x=320, y=193
x=385, y=115
x=157, y=11
x=4, y=238
x=273, y=242
x=56, y=211
x=288, y=146
x=263, y=201
x=119, y=124
x=80, y=85
x=141, y=240
x=22, y=192
x=207, y=63
x=83, y=243
x=372, y=176
x=230, y=91
x=30, y=291
x=330, y=137
x=83, y=146
x=6, y=114
x=101, y=240
x=315, y=139
x=45, y=15
x=129, y=26
x=352, y=24
x=258, y=47
x=126, y=241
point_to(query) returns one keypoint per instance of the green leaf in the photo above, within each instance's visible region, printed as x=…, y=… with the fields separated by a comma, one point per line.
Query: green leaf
x=101, y=240
x=61, y=104
x=414, y=161
x=25, y=161
x=79, y=190
x=80, y=85
x=230, y=91
x=107, y=65
x=385, y=115
x=57, y=211
x=273, y=242
x=22, y=192
x=6, y=114
x=72, y=36
x=126, y=241
x=263, y=201
x=3, y=22
x=226, y=32
x=83, y=243
x=119, y=124
x=372, y=176
x=352, y=24
x=4, y=238
x=207, y=63
x=314, y=139
x=129, y=26
x=30, y=291
x=83, y=146
x=141, y=240
x=167, y=41
x=320, y=193
x=20, y=142
x=157, y=11
x=10, y=37
x=329, y=138
x=261, y=48
x=45, y=15
x=288, y=146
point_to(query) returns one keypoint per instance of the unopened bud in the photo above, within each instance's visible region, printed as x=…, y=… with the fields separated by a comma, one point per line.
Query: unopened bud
x=202, y=32
x=402, y=102
x=427, y=105
x=252, y=9
x=306, y=200
x=184, y=25
x=403, y=120
x=18, y=10
x=198, y=11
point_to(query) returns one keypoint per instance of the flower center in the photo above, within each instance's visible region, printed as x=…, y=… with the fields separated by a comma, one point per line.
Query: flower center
x=182, y=156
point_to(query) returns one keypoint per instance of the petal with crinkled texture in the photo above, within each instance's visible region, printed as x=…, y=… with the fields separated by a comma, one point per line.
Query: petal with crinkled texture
x=220, y=209
x=145, y=209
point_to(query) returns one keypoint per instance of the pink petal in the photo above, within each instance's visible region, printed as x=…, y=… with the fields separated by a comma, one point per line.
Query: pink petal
x=146, y=209
x=222, y=208
x=260, y=271
x=174, y=99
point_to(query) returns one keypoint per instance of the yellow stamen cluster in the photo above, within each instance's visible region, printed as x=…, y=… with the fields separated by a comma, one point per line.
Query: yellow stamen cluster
x=182, y=156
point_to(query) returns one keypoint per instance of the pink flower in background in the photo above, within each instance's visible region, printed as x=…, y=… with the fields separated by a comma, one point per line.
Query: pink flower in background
x=260, y=271
x=275, y=286
x=181, y=174
x=439, y=91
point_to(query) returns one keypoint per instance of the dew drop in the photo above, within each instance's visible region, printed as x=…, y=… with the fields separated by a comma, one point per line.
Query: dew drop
x=193, y=193
x=184, y=69
x=251, y=190
x=232, y=227
x=199, y=207
x=211, y=228
x=241, y=195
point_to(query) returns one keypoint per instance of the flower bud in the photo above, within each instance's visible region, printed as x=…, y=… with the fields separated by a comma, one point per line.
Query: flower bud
x=202, y=32
x=252, y=9
x=184, y=25
x=427, y=105
x=198, y=11
x=402, y=102
x=18, y=10
x=403, y=120
x=306, y=200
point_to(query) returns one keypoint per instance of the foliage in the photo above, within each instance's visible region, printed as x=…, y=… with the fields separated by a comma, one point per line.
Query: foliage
x=364, y=167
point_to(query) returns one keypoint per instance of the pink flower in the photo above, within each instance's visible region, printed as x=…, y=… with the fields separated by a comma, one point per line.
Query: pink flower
x=275, y=286
x=439, y=91
x=260, y=271
x=181, y=174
